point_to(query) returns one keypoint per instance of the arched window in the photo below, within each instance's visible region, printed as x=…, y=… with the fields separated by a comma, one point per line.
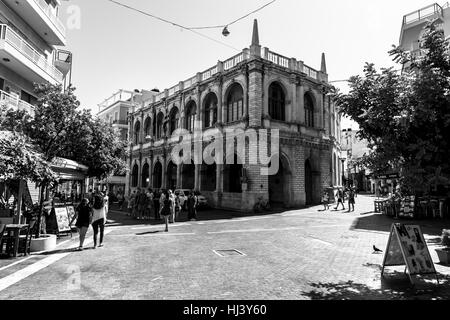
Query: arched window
x=157, y=175
x=134, y=176
x=309, y=111
x=137, y=133
x=159, y=125
x=235, y=103
x=210, y=110
x=174, y=120
x=147, y=127
x=145, y=175
x=277, y=102
x=191, y=110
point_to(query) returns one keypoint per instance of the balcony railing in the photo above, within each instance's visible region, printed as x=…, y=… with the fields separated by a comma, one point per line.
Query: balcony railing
x=121, y=95
x=11, y=37
x=233, y=61
x=51, y=15
x=15, y=103
x=423, y=13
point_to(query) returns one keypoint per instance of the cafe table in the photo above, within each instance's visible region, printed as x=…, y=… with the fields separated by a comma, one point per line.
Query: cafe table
x=15, y=230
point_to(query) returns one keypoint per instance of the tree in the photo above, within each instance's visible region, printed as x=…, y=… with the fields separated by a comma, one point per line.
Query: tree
x=406, y=118
x=59, y=130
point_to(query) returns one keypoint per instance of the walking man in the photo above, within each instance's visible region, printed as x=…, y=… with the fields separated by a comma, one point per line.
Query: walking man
x=192, y=206
x=340, y=195
x=351, y=199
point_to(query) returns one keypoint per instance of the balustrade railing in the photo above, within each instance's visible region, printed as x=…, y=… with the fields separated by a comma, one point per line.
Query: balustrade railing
x=209, y=73
x=234, y=61
x=51, y=15
x=13, y=101
x=11, y=37
x=278, y=59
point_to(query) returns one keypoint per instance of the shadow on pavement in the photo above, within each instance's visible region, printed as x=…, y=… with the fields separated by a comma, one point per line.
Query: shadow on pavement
x=120, y=218
x=394, y=286
x=383, y=223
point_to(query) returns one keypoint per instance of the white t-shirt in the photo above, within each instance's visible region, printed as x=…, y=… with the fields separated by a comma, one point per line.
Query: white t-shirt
x=99, y=214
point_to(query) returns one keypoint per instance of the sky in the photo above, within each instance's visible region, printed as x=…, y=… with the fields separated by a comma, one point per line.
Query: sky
x=115, y=48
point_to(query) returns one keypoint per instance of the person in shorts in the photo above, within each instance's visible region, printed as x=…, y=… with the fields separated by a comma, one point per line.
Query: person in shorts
x=84, y=218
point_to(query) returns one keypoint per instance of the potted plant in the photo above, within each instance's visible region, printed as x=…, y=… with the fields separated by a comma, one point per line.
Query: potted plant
x=444, y=253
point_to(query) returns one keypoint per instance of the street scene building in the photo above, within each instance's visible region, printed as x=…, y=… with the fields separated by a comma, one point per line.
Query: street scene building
x=258, y=176
x=256, y=89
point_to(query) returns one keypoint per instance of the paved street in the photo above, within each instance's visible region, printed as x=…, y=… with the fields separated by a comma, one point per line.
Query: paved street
x=301, y=254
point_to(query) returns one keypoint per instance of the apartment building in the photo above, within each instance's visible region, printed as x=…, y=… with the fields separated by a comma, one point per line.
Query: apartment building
x=30, y=35
x=115, y=110
x=413, y=25
x=257, y=89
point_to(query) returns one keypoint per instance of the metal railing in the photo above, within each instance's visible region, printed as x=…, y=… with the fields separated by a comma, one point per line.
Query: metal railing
x=11, y=37
x=51, y=15
x=121, y=95
x=423, y=13
x=13, y=101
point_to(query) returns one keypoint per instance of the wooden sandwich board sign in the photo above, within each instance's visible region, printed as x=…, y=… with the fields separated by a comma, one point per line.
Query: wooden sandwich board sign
x=407, y=247
x=62, y=220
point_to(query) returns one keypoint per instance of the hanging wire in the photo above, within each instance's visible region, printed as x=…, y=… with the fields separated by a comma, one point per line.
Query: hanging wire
x=233, y=22
x=173, y=23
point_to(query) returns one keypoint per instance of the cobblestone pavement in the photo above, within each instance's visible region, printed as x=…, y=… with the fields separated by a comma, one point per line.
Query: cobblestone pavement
x=300, y=254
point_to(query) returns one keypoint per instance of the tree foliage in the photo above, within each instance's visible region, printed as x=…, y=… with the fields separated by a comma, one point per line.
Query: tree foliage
x=406, y=117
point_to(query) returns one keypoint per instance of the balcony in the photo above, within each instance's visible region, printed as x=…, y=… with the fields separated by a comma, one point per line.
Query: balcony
x=122, y=96
x=42, y=17
x=13, y=101
x=22, y=58
x=433, y=10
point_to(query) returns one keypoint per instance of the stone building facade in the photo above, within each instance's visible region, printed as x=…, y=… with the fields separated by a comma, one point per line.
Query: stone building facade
x=254, y=91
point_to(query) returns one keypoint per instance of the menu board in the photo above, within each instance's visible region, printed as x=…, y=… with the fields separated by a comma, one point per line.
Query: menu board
x=407, y=246
x=62, y=219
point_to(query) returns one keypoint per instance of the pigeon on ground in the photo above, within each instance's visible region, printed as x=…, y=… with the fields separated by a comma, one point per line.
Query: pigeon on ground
x=376, y=250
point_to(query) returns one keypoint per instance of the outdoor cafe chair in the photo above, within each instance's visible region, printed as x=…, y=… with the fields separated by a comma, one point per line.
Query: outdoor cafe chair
x=25, y=239
x=2, y=232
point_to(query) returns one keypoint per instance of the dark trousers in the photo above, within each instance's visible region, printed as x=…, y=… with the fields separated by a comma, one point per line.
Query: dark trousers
x=156, y=205
x=96, y=225
x=192, y=213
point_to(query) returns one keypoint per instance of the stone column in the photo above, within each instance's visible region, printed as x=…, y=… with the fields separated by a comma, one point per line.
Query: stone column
x=220, y=118
x=197, y=184
x=293, y=115
x=255, y=96
x=219, y=178
x=301, y=104
x=164, y=172
x=179, y=185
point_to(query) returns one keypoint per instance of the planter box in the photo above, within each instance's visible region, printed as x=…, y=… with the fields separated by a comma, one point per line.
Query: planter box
x=46, y=242
x=444, y=255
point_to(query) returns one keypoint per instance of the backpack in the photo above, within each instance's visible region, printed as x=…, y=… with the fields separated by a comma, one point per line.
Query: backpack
x=98, y=202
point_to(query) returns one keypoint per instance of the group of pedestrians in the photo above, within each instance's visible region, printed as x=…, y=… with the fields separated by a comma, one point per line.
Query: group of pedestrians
x=165, y=205
x=93, y=211
x=349, y=193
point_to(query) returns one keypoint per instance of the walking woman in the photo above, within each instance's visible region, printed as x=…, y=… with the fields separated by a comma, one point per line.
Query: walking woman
x=99, y=218
x=84, y=220
x=166, y=210
x=192, y=206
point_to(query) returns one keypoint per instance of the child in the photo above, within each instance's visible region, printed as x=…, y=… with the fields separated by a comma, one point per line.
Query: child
x=326, y=201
